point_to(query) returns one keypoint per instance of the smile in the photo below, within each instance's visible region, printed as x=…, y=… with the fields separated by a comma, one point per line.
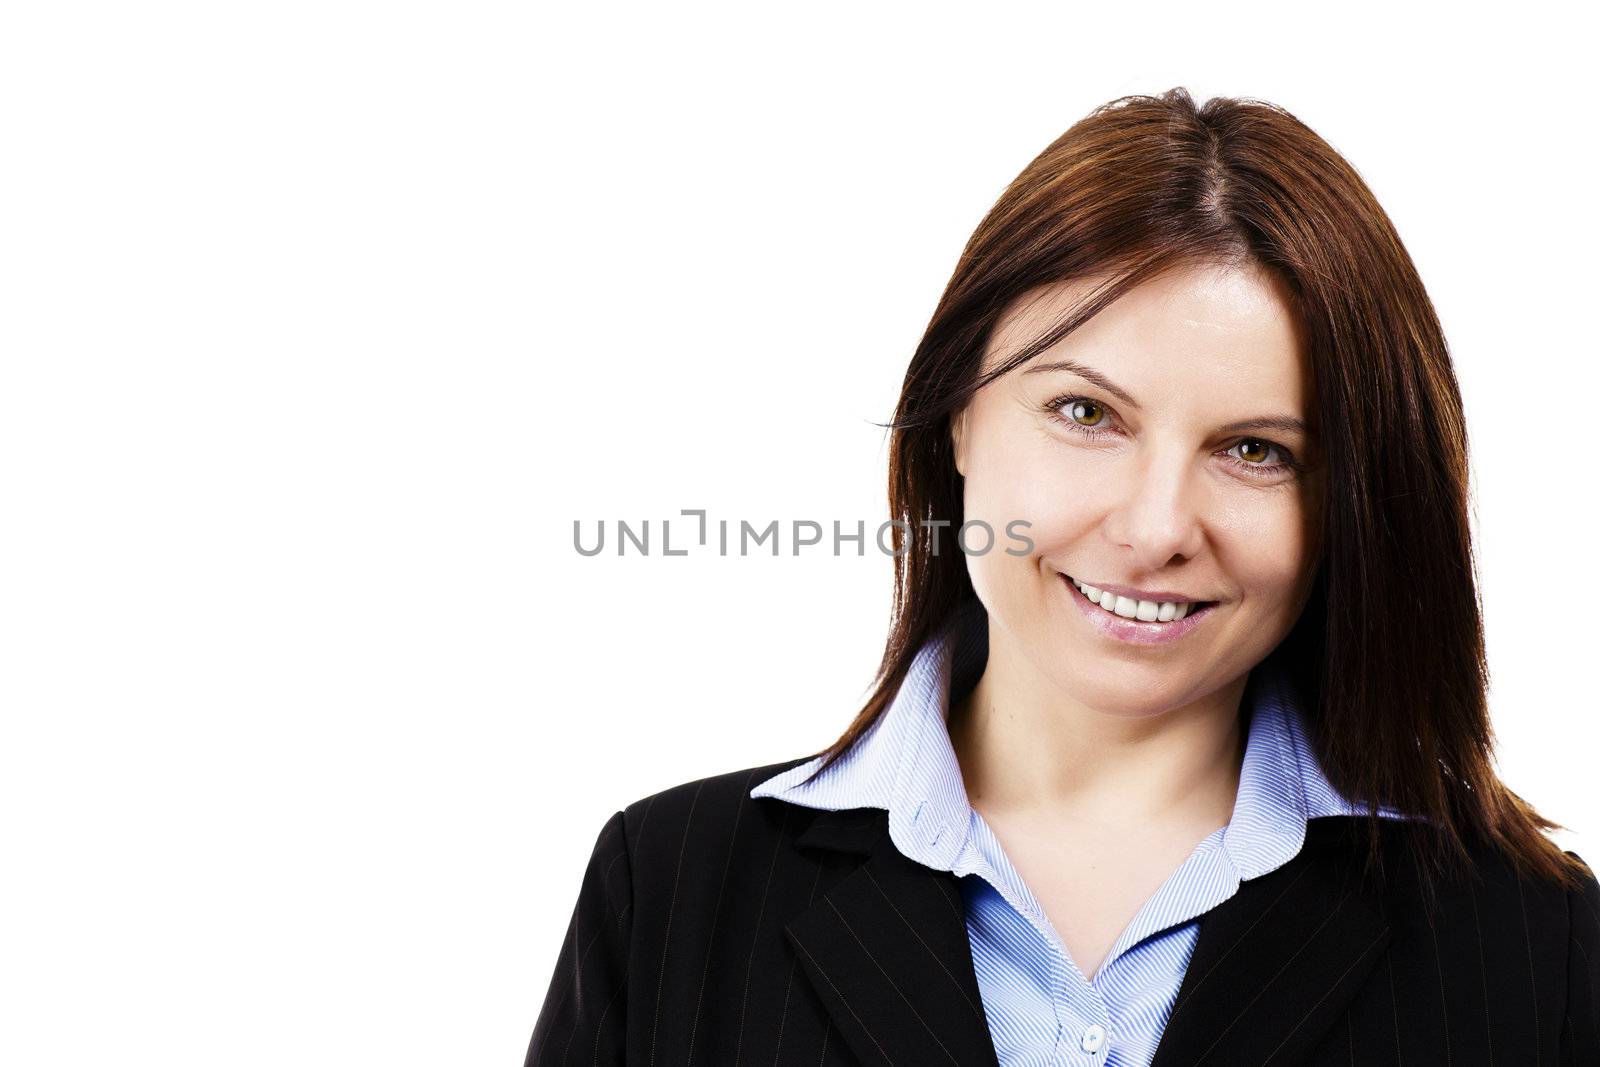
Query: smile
x=1143, y=610
x=1140, y=622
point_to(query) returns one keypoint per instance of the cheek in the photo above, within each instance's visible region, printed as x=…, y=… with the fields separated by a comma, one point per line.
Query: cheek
x=1269, y=545
x=1041, y=481
x=1041, y=488
x=1018, y=478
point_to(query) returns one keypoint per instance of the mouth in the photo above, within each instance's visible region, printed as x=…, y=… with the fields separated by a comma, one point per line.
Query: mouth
x=1154, y=614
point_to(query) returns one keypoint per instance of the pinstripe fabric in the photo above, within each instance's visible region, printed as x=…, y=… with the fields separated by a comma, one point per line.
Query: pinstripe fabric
x=1040, y=1007
x=714, y=928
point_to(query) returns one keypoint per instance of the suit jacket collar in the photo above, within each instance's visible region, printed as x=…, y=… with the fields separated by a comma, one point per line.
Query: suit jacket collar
x=887, y=951
x=905, y=763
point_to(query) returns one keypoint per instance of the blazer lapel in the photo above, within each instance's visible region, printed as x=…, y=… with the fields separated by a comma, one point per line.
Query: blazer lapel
x=1277, y=963
x=886, y=949
x=1274, y=966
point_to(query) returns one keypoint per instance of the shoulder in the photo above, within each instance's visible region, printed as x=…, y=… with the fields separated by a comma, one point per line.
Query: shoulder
x=715, y=809
x=1486, y=889
x=1585, y=902
x=1488, y=902
x=1489, y=935
x=700, y=853
x=1582, y=1022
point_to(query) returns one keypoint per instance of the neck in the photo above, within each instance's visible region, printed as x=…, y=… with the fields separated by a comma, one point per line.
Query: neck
x=1027, y=748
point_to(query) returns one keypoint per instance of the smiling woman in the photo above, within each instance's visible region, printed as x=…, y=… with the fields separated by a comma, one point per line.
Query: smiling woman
x=1151, y=512
x=1204, y=775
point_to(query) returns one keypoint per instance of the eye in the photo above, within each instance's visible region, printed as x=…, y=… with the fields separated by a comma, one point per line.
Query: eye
x=1079, y=414
x=1255, y=445
x=1085, y=412
x=1251, y=456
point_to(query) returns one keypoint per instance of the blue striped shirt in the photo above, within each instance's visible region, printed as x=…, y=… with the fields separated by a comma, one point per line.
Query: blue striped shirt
x=1040, y=1008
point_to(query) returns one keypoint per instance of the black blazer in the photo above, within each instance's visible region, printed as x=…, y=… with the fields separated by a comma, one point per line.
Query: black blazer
x=715, y=929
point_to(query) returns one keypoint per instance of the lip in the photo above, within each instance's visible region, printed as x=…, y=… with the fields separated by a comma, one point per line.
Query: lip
x=1143, y=594
x=1134, y=631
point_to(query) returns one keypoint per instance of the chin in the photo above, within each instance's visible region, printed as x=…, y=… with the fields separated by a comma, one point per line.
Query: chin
x=1116, y=702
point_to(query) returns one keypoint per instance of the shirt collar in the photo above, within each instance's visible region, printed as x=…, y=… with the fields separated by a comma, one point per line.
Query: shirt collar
x=905, y=764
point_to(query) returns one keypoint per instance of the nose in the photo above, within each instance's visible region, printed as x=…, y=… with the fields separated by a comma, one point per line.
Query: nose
x=1159, y=516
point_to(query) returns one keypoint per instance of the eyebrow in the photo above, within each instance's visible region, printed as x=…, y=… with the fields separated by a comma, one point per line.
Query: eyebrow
x=1281, y=423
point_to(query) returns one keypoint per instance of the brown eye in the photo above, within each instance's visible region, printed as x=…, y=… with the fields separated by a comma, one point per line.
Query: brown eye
x=1077, y=408
x=1255, y=445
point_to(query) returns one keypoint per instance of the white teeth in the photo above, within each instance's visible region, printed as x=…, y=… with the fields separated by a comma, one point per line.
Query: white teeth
x=1128, y=608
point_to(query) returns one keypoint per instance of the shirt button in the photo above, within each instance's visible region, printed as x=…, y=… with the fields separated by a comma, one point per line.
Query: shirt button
x=1093, y=1038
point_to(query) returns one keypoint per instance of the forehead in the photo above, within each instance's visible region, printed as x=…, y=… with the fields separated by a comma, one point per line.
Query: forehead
x=1189, y=325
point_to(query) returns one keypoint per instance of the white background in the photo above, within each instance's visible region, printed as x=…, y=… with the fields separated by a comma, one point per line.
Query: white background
x=322, y=322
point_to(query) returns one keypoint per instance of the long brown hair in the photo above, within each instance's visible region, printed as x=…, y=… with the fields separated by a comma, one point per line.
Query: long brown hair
x=1389, y=651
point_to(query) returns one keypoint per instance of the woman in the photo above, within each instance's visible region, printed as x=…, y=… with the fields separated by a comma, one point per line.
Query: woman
x=1196, y=771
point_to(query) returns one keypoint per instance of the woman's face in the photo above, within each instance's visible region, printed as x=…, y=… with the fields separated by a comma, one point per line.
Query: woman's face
x=1137, y=451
